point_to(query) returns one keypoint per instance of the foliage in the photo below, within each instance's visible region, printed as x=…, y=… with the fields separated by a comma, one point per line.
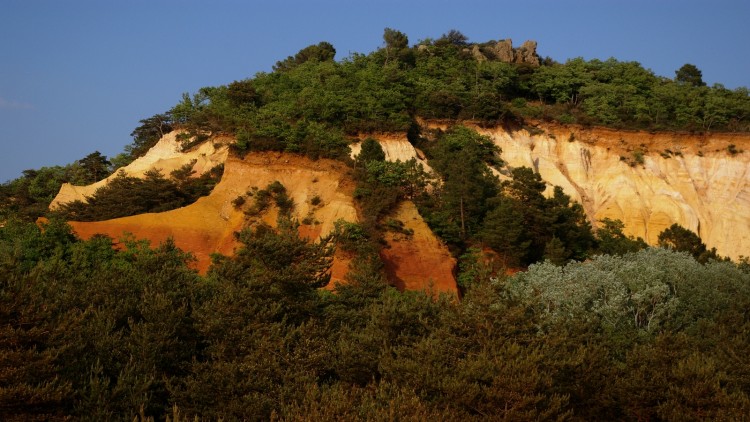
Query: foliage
x=320, y=52
x=461, y=157
x=612, y=241
x=88, y=331
x=689, y=74
x=683, y=240
x=29, y=196
x=147, y=135
x=93, y=332
x=526, y=227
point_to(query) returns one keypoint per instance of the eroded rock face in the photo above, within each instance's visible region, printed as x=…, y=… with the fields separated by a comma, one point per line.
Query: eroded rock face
x=396, y=148
x=416, y=259
x=322, y=192
x=166, y=156
x=685, y=179
x=208, y=225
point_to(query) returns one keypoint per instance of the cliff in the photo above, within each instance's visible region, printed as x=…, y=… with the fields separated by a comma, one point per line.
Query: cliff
x=649, y=181
x=166, y=155
x=208, y=225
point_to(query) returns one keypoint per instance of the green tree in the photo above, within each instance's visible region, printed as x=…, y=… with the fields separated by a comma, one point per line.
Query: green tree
x=371, y=151
x=462, y=156
x=505, y=231
x=94, y=166
x=681, y=239
x=689, y=74
x=321, y=52
x=612, y=241
x=148, y=134
x=395, y=43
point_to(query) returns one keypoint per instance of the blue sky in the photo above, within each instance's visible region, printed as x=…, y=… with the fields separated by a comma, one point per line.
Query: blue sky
x=76, y=76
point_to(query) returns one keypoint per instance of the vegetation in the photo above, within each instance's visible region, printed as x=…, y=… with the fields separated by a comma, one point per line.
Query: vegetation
x=440, y=79
x=310, y=103
x=93, y=333
x=28, y=197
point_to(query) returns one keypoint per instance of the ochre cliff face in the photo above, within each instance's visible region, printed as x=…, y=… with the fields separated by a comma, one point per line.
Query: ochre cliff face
x=208, y=225
x=166, y=155
x=649, y=181
x=686, y=179
x=417, y=261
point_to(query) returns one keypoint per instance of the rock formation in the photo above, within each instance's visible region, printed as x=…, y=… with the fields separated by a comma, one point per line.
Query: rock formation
x=166, y=155
x=690, y=180
x=649, y=181
x=208, y=225
x=503, y=51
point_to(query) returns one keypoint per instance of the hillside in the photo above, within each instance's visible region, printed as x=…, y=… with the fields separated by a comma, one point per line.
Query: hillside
x=481, y=212
x=418, y=261
x=698, y=184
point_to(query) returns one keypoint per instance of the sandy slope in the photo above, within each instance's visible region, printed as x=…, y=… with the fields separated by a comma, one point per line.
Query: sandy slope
x=166, y=156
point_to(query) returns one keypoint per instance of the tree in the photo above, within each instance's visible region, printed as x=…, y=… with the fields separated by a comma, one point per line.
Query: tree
x=454, y=38
x=148, y=134
x=371, y=151
x=462, y=157
x=612, y=241
x=681, y=239
x=504, y=230
x=395, y=42
x=689, y=74
x=321, y=52
x=95, y=167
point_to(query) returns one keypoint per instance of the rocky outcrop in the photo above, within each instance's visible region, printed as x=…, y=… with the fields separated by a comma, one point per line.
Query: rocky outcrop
x=503, y=51
x=166, y=155
x=526, y=53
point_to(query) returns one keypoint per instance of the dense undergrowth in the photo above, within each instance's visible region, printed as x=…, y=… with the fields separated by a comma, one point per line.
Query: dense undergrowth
x=94, y=333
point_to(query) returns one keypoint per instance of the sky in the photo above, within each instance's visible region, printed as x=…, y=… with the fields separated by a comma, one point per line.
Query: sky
x=76, y=76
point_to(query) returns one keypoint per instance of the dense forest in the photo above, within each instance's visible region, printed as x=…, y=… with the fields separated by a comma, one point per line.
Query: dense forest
x=99, y=333
x=597, y=325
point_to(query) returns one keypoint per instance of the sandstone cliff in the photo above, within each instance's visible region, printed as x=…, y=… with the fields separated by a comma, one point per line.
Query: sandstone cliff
x=649, y=181
x=166, y=155
x=417, y=262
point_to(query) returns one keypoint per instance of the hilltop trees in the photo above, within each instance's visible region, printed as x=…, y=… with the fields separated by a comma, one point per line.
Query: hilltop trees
x=689, y=74
x=321, y=52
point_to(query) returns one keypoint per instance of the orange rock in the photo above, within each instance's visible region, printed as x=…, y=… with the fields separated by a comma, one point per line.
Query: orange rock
x=418, y=261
